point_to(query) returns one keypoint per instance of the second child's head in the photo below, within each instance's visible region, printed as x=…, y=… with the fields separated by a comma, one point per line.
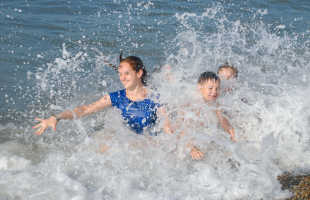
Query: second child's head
x=209, y=86
x=227, y=72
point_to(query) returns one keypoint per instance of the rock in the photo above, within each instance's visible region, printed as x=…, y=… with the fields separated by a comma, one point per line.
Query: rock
x=299, y=185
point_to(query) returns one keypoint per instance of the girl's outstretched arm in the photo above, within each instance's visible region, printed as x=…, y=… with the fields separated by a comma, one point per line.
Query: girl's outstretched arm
x=68, y=114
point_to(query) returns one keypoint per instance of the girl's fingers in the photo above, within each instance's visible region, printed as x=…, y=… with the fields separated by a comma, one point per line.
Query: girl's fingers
x=39, y=132
x=38, y=119
x=41, y=127
x=37, y=126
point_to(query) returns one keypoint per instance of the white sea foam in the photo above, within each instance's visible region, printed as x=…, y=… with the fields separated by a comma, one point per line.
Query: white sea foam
x=269, y=110
x=12, y=157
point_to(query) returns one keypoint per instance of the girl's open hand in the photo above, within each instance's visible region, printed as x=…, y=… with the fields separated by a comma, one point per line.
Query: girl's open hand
x=44, y=124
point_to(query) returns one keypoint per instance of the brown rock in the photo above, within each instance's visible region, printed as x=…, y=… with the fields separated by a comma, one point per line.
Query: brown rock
x=299, y=185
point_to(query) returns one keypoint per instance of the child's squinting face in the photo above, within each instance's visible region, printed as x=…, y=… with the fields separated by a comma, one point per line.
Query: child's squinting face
x=209, y=90
x=226, y=73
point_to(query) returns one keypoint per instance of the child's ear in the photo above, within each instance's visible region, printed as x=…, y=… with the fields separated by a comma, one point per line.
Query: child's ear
x=140, y=73
x=199, y=86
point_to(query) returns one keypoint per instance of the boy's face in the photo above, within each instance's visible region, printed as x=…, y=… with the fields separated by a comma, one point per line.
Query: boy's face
x=226, y=74
x=209, y=89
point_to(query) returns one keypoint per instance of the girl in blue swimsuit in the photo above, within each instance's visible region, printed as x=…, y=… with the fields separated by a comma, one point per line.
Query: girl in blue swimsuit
x=137, y=109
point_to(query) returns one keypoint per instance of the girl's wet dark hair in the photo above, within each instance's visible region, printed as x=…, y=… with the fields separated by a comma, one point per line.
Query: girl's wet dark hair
x=137, y=64
x=207, y=76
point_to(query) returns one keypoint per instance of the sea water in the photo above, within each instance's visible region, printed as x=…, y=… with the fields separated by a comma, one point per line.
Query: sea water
x=55, y=55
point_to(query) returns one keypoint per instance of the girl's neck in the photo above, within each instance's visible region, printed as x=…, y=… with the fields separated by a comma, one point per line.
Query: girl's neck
x=137, y=93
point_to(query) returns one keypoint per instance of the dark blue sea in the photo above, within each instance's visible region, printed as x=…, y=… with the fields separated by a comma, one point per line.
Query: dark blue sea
x=56, y=55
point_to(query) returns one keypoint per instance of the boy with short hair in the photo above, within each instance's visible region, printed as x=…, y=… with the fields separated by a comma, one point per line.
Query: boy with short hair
x=209, y=86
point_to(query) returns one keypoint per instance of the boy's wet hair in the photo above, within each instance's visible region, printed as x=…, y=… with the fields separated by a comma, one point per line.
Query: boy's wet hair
x=205, y=76
x=136, y=64
x=227, y=66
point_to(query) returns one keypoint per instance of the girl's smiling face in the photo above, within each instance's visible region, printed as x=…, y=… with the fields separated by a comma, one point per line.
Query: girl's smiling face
x=128, y=76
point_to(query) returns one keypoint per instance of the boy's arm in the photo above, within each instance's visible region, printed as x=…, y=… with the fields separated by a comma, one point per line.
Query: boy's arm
x=226, y=125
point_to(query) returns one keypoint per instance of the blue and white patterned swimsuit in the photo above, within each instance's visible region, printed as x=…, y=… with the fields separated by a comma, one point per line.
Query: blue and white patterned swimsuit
x=139, y=115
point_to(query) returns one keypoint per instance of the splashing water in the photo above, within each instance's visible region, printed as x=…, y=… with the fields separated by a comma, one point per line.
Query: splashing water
x=271, y=125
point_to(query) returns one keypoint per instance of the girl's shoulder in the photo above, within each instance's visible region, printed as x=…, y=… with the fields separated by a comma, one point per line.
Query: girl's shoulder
x=121, y=92
x=118, y=97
